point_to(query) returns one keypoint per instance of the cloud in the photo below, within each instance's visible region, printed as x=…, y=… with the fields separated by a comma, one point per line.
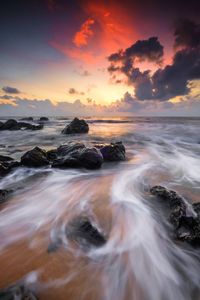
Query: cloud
x=150, y=50
x=187, y=33
x=6, y=97
x=127, y=105
x=170, y=81
x=10, y=90
x=72, y=91
x=81, y=36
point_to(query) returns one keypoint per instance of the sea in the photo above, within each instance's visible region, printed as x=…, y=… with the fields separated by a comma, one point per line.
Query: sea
x=141, y=259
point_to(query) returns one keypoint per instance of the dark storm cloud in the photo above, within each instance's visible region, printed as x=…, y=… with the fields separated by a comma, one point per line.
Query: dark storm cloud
x=10, y=90
x=150, y=50
x=172, y=80
x=187, y=33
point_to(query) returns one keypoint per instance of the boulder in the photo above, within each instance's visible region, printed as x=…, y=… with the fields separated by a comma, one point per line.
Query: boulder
x=187, y=228
x=1, y=124
x=17, y=292
x=69, y=147
x=5, y=158
x=14, y=125
x=84, y=233
x=76, y=155
x=27, y=119
x=8, y=125
x=52, y=155
x=91, y=158
x=44, y=119
x=113, y=152
x=76, y=126
x=35, y=158
x=4, y=169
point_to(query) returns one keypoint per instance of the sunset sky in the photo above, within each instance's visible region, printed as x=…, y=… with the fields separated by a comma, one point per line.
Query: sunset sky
x=99, y=57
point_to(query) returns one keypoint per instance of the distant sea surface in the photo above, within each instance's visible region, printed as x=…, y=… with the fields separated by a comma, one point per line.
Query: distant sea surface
x=140, y=260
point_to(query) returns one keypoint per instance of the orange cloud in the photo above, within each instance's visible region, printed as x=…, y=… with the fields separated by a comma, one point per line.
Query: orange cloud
x=81, y=36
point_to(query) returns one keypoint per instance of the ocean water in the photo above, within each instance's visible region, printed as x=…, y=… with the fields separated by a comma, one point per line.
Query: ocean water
x=140, y=260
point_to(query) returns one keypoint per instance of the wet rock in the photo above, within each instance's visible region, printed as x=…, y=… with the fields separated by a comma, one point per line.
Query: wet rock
x=35, y=158
x=4, y=169
x=76, y=155
x=8, y=166
x=76, y=126
x=3, y=196
x=14, y=125
x=67, y=162
x=196, y=207
x=27, y=119
x=17, y=292
x=5, y=158
x=187, y=228
x=44, y=119
x=113, y=152
x=52, y=155
x=91, y=158
x=69, y=147
x=1, y=125
x=84, y=233
x=171, y=197
x=8, y=125
x=23, y=125
x=176, y=204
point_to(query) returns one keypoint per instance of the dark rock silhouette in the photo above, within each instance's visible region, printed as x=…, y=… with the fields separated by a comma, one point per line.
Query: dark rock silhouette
x=84, y=233
x=35, y=158
x=17, y=292
x=14, y=125
x=44, y=119
x=187, y=228
x=113, y=152
x=76, y=126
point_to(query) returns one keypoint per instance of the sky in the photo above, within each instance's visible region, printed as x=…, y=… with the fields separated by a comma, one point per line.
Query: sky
x=91, y=57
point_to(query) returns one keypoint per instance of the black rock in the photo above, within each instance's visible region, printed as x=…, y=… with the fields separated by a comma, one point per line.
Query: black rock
x=1, y=125
x=67, y=162
x=8, y=125
x=52, y=154
x=91, y=158
x=17, y=292
x=171, y=197
x=27, y=119
x=84, y=233
x=76, y=155
x=14, y=125
x=4, y=169
x=44, y=119
x=5, y=158
x=113, y=152
x=69, y=147
x=35, y=158
x=76, y=126
x=187, y=228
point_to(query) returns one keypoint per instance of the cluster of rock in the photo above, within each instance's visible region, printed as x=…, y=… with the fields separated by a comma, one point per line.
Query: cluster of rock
x=17, y=292
x=14, y=125
x=187, y=227
x=69, y=155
